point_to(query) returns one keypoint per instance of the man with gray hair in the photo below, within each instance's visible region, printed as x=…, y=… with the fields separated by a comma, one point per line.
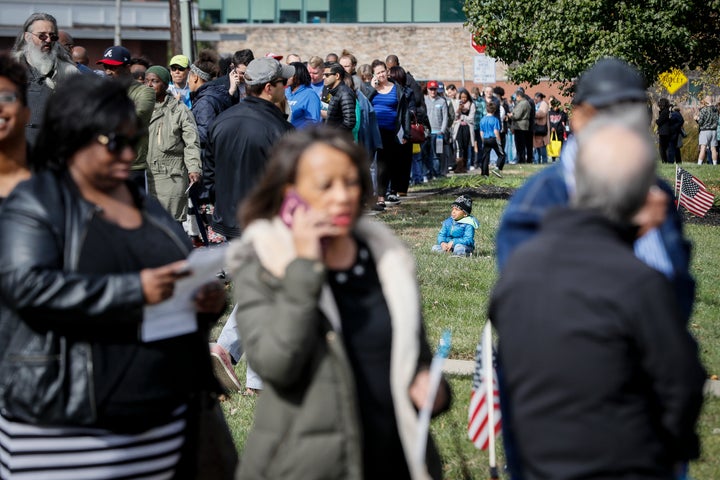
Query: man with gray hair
x=47, y=62
x=599, y=371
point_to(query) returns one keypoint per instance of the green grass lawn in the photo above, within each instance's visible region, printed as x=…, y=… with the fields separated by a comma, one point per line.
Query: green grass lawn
x=456, y=290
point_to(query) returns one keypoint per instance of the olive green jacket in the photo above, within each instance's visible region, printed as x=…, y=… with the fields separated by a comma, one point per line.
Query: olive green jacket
x=173, y=152
x=307, y=420
x=143, y=97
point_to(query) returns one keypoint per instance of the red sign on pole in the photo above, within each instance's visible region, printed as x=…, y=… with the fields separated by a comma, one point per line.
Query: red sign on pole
x=478, y=48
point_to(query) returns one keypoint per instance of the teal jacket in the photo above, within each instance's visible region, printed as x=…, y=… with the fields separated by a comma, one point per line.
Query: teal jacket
x=461, y=232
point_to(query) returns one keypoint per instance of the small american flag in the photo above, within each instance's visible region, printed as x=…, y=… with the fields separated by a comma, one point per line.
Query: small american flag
x=692, y=193
x=479, y=414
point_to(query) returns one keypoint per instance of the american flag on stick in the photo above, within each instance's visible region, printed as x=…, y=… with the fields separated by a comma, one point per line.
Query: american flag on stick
x=691, y=193
x=484, y=414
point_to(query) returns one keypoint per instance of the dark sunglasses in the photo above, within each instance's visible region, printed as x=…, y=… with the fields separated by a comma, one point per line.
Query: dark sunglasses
x=177, y=68
x=280, y=80
x=116, y=143
x=328, y=74
x=44, y=36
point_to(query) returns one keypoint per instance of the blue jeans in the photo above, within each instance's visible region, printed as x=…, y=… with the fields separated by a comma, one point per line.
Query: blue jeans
x=430, y=157
x=458, y=250
x=417, y=171
x=540, y=155
x=229, y=339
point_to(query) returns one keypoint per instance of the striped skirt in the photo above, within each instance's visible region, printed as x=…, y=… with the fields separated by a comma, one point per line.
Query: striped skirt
x=76, y=453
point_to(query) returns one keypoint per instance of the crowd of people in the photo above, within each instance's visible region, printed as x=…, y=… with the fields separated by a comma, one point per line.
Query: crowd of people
x=109, y=177
x=106, y=178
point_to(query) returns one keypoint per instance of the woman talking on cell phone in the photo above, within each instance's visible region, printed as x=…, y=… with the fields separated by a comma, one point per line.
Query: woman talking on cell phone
x=330, y=315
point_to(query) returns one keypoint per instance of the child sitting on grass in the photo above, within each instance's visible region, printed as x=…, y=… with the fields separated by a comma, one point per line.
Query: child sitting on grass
x=457, y=234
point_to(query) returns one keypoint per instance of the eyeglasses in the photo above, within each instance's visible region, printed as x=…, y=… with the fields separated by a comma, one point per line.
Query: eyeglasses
x=43, y=37
x=177, y=68
x=116, y=143
x=8, y=98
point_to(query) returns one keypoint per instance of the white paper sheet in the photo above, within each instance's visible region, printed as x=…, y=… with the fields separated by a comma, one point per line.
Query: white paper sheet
x=176, y=315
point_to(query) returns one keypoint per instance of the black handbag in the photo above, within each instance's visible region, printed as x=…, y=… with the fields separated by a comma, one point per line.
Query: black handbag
x=540, y=130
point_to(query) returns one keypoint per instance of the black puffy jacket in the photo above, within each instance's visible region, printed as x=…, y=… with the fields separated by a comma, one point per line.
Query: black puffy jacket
x=209, y=101
x=341, y=108
x=52, y=318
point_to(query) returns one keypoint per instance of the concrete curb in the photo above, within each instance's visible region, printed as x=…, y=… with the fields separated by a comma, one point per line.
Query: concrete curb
x=467, y=367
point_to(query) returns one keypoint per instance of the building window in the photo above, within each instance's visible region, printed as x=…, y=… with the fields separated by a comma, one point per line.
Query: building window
x=452, y=11
x=317, y=16
x=289, y=16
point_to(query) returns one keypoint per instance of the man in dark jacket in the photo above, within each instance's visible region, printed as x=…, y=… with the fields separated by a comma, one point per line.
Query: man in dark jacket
x=240, y=140
x=238, y=147
x=601, y=375
x=341, y=99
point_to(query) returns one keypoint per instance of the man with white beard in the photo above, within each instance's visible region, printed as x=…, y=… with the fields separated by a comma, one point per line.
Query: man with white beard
x=47, y=62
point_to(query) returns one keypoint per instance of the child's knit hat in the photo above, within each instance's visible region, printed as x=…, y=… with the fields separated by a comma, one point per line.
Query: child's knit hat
x=464, y=203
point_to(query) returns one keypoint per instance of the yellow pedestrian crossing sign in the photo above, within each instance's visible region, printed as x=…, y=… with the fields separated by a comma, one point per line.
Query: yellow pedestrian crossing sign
x=672, y=80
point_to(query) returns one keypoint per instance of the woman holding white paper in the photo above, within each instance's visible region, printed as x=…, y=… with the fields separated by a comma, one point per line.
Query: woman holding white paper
x=330, y=315
x=84, y=252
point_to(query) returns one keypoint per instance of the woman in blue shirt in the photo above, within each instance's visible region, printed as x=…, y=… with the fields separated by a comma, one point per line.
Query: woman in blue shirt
x=393, y=117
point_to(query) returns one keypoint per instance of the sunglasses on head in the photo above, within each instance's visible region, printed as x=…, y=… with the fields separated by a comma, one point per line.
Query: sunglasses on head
x=43, y=37
x=177, y=68
x=116, y=143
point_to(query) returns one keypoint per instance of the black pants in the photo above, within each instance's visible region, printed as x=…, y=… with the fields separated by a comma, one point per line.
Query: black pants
x=664, y=144
x=522, y=137
x=463, y=141
x=388, y=162
x=491, y=144
x=401, y=180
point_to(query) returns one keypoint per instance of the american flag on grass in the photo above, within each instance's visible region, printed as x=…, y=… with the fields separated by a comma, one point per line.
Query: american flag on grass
x=692, y=193
x=481, y=421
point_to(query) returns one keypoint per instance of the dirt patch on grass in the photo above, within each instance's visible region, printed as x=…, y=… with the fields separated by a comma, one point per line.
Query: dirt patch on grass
x=483, y=191
x=711, y=218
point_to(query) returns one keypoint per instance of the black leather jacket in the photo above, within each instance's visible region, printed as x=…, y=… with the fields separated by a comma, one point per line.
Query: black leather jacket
x=341, y=109
x=49, y=312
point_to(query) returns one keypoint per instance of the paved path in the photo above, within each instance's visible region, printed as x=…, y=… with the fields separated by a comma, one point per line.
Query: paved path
x=466, y=368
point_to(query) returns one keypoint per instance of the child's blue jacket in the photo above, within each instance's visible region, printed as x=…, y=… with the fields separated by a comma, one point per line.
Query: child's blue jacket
x=461, y=232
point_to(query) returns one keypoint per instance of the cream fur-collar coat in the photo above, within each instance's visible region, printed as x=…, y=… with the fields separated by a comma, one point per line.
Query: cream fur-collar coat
x=306, y=420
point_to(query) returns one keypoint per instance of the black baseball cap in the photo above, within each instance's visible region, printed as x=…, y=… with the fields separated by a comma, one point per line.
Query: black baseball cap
x=610, y=81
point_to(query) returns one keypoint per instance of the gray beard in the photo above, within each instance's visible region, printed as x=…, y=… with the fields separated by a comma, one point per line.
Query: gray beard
x=42, y=62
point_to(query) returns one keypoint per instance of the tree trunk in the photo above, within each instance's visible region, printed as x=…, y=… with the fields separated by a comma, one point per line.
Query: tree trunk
x=175, y=28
